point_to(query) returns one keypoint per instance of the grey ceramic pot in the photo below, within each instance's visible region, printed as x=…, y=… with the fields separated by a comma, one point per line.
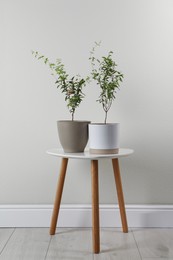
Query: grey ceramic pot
x=73, y=135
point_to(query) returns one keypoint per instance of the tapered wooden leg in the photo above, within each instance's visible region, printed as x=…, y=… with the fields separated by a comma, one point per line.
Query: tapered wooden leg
x=120, y=195
x=58, y=195
x=95, y=207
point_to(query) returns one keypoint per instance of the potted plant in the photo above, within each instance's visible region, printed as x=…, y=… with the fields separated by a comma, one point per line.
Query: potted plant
x=104, y=137
x=73, y=134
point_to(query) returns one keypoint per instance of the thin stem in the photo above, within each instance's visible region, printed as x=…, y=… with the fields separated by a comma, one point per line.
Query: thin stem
x=72, y=116
x=106, y=112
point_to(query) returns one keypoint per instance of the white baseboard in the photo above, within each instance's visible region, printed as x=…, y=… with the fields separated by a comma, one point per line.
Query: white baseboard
x=80, y=216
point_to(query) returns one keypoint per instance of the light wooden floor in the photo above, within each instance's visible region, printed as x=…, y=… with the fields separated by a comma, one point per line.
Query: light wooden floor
x=76, y=244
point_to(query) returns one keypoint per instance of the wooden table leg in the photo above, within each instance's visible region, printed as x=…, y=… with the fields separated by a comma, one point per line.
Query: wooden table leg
x=120, y=195
x=58, y=195
x=95, y=206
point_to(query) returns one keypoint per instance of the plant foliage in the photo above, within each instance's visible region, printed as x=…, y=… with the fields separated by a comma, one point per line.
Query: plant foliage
x=105, y=73
x=70, y=86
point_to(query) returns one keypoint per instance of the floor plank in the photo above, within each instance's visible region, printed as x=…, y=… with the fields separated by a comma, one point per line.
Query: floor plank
x=71, y=244
x=5, y=234
x=117, y=245
x=154, y=242
x=156, y=258
x=27, y=244
x=76, y=243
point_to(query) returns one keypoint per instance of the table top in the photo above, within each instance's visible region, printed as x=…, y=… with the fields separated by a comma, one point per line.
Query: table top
x=87, y=155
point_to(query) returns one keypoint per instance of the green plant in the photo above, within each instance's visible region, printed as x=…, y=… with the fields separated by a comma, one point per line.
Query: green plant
x=105, y=73
x=70, y=86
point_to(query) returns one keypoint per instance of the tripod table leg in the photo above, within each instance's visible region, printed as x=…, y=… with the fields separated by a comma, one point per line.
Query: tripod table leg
x=58, y=195
x=120, y=195
x=95, y=206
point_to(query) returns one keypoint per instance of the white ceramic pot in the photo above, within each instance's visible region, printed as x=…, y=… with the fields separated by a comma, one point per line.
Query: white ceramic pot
x=104, y=138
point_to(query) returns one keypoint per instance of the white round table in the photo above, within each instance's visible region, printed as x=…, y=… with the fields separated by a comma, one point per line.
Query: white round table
x=95, y=188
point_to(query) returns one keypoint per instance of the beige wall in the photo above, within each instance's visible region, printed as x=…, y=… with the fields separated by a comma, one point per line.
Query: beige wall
x=141, y=35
